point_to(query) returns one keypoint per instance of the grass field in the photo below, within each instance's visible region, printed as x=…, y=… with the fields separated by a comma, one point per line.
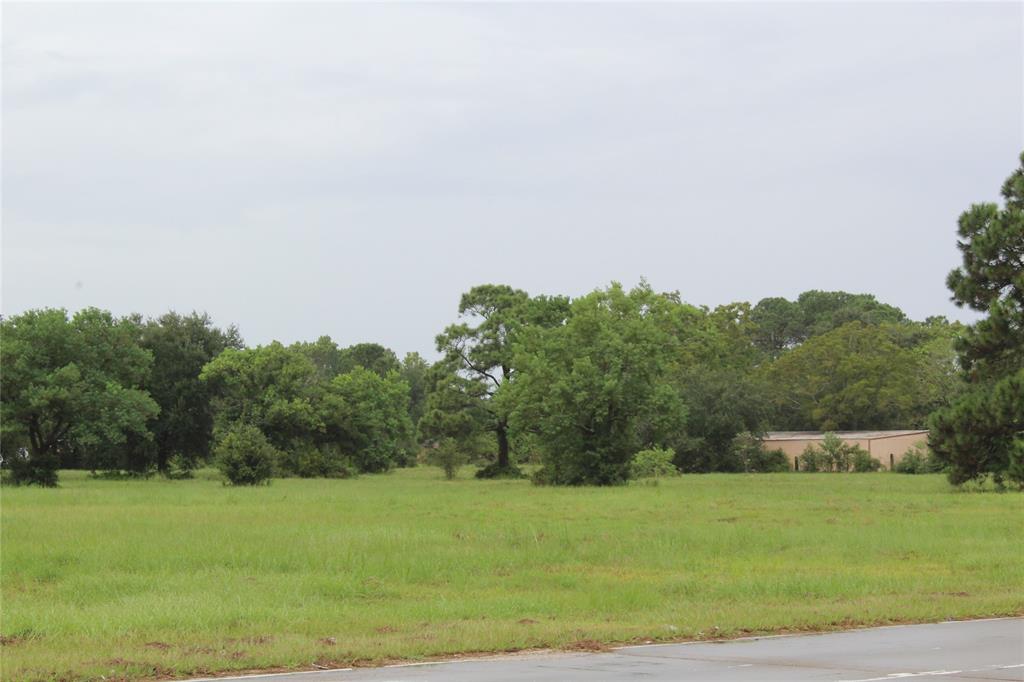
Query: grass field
x=134, y=579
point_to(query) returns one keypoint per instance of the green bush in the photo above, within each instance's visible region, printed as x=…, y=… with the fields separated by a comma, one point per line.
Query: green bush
x=1015, y=465
x=863, y=462
x=653, y=463
x=26, y=469
x=448, y=455
x=768, y=462
x=306, y=460
x=836, y=455
x=918, y=459
x=542, y=476
x=749, y=453
x=244, y=456
x=814, y=459
x=179, y=467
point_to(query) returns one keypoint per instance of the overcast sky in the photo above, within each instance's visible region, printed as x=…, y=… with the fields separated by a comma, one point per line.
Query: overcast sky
x=308, y=169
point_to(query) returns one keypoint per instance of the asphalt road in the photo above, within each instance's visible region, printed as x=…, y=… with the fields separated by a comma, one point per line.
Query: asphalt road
x=966, y=650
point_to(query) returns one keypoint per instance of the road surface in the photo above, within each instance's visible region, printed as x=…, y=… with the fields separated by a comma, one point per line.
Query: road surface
x=966, y=650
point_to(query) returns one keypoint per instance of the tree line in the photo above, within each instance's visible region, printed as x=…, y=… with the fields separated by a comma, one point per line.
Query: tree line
x=570, y=383
x=578, y=386
x=136, y=396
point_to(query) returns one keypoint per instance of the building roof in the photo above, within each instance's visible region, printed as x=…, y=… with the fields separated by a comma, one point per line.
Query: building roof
x=845, y=435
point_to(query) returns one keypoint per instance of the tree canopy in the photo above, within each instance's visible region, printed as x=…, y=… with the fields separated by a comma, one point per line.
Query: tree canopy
x=479, y=364
x=855, y=377
x=181, y=345
x=591, y=388
x=71, y=386
x=577, y=386
x=780, y=324
x=321, y=426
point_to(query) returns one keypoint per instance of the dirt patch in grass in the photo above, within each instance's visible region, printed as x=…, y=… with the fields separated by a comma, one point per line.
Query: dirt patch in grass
x=586, y=645
x=130, y=668
x=256, y=639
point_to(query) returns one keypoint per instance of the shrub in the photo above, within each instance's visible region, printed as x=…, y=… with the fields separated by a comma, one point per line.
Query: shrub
x=542, y=476
x=306, y=460
x=768, y=462
x=835, y=455
x=179, y=467
x=244, y=456
x=863, y=462
x=912, y=462
x=918, y=459
x=448, y=455
x=749, y=452
x=27, y=469
x=653, y=463
x=814, y=459
x=837, y=452
x=1015, y=468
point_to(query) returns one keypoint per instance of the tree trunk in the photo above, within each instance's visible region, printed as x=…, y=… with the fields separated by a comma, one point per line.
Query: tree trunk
x=503, y=461
x=162, y=459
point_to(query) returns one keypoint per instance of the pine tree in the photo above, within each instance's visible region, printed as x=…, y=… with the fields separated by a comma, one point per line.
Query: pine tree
x=983, y=432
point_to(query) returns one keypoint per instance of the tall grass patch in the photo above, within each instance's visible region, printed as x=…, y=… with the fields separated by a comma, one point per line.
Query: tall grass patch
x=153, y=577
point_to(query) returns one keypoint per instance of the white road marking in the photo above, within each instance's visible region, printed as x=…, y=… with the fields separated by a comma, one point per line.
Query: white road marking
x=901, y=676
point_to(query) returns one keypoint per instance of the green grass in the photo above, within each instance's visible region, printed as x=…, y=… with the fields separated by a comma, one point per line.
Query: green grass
x=130, y=579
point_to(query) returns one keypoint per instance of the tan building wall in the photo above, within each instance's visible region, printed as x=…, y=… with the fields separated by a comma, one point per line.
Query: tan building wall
x=887, y=447
x=889, y=451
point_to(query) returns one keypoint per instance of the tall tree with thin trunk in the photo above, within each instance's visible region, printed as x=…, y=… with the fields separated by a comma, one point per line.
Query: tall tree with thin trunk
x=479, y=355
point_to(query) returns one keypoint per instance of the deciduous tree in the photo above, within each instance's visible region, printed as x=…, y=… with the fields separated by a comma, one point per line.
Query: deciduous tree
x=415, y=372
x=73, y=385
x=367, y=416
x=372, y=356
x=591, y=386
x=273, y=387
x=181, y=346
x=319, y=426
x=855, y=377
